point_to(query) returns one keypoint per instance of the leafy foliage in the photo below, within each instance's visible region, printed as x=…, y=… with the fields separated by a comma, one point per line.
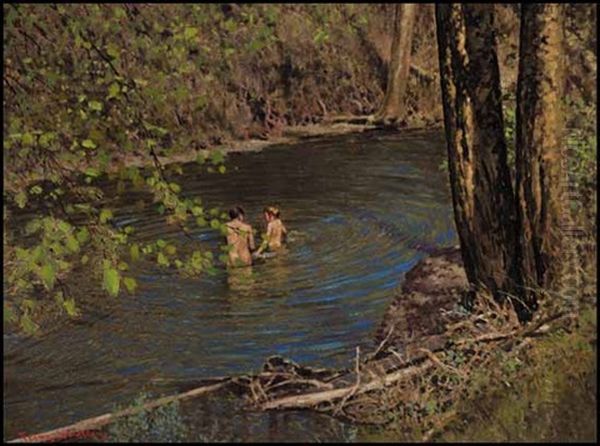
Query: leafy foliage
x=163, y=424
x=83, y=102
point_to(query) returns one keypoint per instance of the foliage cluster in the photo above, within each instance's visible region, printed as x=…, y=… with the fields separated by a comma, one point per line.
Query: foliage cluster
x=163, y=424
x=546, y=393
x=546, y=389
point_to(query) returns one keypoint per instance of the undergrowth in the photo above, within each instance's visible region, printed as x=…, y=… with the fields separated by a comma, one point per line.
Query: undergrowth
x=163, y=424
x=547, y=393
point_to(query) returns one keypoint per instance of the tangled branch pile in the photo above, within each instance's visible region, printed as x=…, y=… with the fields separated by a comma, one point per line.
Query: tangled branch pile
x=419, y=381
x=430, y=353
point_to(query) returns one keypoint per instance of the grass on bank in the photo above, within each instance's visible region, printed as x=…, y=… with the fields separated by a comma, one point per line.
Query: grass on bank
x=546, y=392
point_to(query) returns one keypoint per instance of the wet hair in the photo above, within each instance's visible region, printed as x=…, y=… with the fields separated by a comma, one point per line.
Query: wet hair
x=235, y=212
x=272, y=210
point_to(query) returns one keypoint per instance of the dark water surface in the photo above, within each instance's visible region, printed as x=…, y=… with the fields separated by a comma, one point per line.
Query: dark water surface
x=362, y=209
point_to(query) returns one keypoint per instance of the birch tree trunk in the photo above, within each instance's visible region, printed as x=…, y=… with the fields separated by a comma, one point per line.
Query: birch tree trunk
x=393, y=108
x=482, y=195
x=539, y=147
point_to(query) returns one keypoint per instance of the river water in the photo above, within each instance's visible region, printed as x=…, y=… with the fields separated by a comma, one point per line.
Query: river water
x=362, y=210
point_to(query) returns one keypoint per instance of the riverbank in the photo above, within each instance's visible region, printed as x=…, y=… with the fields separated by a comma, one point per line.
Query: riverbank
x=329, y=127
x=541, y=389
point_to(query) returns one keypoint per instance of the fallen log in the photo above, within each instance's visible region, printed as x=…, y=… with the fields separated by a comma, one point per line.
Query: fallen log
x=95, y=423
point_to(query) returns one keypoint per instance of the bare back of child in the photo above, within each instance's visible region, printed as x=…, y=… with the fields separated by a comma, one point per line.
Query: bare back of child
x=240, y=238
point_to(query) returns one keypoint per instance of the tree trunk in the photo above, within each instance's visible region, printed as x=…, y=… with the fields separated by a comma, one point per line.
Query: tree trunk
x=539, y=154
x=479, y=176
x=393, y=107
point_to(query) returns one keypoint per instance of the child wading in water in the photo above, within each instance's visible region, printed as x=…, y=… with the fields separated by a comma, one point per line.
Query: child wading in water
x=239, y=238
x=276, y=231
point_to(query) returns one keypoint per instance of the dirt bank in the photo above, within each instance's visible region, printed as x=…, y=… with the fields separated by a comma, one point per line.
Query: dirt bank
x=334, y=126
x=427, y=300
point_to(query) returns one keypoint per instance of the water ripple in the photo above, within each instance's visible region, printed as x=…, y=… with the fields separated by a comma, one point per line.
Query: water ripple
x=362, y=210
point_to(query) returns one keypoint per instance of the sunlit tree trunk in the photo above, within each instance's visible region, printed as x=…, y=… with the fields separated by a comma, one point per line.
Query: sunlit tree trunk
x=393, y=108
x=479, y=175
x=539, y=146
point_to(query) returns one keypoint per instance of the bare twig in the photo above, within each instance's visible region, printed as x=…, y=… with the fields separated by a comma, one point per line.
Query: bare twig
x=356, y=386
x=439, y=362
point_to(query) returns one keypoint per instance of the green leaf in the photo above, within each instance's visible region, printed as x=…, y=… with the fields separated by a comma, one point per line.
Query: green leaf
x=111, y=280
x=430, y=407
x=9, y=314
x=23, y=152
x=35, y=190
x=130, y=284
x=123, y=266
x=113, y=90
x=162, y=260
x=170, y=249
x=215, y=223
x=222, y=169
x=59, y=298
x=21, y=199
x=88, y=144
x=28, y=139
x=84, y=259
x=92, y=173
x=175, y=187
x=83, y=235
x=46, y=138
x=189, y=32
x=200, y=221
x=200, y=159
x=28, y=303
x=72, y=244
x=48, y=275
x=28, y=325
x=161, y=243
x=105, y=215
x=33, y=226
x=95, y=105
x=64, y=226
x=69, y=306
x=134, y=252
x=112, y=50
x=217, y=157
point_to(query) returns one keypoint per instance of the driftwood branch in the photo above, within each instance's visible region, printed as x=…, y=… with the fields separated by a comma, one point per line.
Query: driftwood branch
x=96, y=423
x=316, y=398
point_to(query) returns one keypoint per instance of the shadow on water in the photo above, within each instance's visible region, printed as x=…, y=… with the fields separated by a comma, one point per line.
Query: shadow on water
x=362, y=209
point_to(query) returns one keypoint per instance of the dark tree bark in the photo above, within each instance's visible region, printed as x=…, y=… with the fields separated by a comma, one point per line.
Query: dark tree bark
x=482, y=195
x=539, y=147
x=393, y=107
